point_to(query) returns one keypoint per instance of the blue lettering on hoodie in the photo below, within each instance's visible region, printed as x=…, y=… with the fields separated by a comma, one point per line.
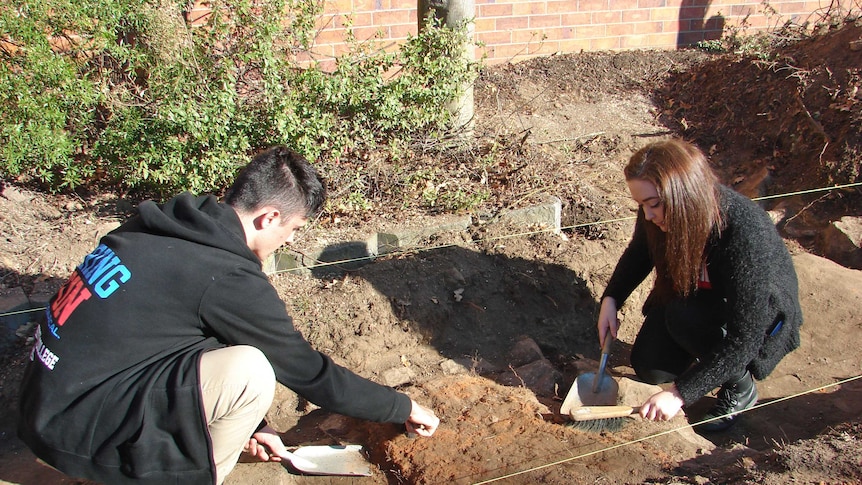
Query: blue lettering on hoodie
x=103, y=271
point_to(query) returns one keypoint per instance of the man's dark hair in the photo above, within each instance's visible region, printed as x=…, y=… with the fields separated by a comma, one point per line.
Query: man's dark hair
x=279, y=177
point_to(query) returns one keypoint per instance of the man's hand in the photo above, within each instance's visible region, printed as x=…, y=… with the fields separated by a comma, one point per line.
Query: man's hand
x=422, y=420
x=265, y=445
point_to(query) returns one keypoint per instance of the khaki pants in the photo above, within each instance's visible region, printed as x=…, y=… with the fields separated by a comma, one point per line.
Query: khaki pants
x=237, y=386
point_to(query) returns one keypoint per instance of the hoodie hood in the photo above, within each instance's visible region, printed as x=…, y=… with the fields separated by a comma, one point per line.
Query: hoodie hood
x=202, y=220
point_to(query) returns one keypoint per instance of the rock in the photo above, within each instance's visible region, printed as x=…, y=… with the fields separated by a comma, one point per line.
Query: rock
x=124, y=205
x=841, y=241
x=466, y=365
x=540, y=377
x=397, y=376
x=104, y=228
x=336, y=425
x=452, y=367
x=27, y=332
x=454, y=278
x=754, y=184
x=777, y=214
x=584, y=364
x=482, y=366
x=73, y=205
x=525, y=351
x=15, y=194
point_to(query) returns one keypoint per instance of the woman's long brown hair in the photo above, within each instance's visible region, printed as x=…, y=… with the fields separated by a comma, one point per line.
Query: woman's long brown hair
x=689, y=190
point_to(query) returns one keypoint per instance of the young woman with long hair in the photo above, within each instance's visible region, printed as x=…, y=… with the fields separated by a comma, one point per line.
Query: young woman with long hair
x=724, y=308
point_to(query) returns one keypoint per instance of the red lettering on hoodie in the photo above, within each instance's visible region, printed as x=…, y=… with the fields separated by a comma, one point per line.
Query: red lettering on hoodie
x=72, y=294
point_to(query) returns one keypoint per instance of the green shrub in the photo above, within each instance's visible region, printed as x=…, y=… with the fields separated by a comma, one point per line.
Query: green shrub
x=49, y=102
x=127, y=93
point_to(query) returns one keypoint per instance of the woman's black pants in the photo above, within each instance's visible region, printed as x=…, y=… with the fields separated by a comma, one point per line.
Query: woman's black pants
x=674, y=335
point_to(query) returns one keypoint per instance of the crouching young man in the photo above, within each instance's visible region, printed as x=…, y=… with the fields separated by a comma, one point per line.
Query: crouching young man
x=158, y=359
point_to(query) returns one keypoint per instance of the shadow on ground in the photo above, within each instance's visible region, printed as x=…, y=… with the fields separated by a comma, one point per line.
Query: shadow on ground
x=476, y=305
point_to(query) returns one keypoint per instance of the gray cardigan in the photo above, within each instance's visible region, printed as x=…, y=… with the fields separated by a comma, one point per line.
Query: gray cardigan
x=749, y=264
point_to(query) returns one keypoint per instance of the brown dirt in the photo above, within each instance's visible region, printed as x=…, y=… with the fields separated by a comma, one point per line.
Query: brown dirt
x=457, y=320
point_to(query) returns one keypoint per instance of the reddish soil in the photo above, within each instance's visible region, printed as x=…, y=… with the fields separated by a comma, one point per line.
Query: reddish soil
x=490, y=326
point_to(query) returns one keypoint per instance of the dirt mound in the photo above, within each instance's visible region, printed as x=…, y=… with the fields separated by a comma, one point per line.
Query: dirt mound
x=789, y=123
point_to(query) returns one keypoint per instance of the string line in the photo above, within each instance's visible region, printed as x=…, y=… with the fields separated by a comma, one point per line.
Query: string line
x=319, y=264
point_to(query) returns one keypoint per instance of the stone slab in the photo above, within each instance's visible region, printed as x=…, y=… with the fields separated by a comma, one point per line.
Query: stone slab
x=15, y=314
x=399, y=239
x=333, y=259
x=14, y=306
x=353, y=254
x=547, y=215
x=43, y=291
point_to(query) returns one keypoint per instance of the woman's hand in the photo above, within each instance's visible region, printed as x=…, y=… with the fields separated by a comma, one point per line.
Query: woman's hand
x=422, y=420
x=663, y=405
x=265, y=445
x=608, y=322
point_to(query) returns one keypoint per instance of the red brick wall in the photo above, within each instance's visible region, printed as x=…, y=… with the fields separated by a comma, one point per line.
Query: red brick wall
x=513, y=30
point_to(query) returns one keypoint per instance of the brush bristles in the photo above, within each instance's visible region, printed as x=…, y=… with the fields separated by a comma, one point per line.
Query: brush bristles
x=598, y=425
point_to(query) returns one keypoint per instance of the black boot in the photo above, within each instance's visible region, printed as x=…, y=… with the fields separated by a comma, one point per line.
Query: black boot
x=735, y=395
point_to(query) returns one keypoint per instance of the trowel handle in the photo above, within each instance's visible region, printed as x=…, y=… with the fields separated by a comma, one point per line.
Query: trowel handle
x=609, y=340
x=590, y=413
x=606, y=349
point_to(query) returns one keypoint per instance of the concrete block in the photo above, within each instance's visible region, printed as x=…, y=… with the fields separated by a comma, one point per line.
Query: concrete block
x=14, y=306
x=355, y=254
x=14, y=315
x=43, y=291
x=334, y=258
x=546, y=215
x=398, y=239
x=278, y=262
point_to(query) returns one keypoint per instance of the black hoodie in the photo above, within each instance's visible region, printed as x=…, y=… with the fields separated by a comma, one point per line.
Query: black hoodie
x=112, y=392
